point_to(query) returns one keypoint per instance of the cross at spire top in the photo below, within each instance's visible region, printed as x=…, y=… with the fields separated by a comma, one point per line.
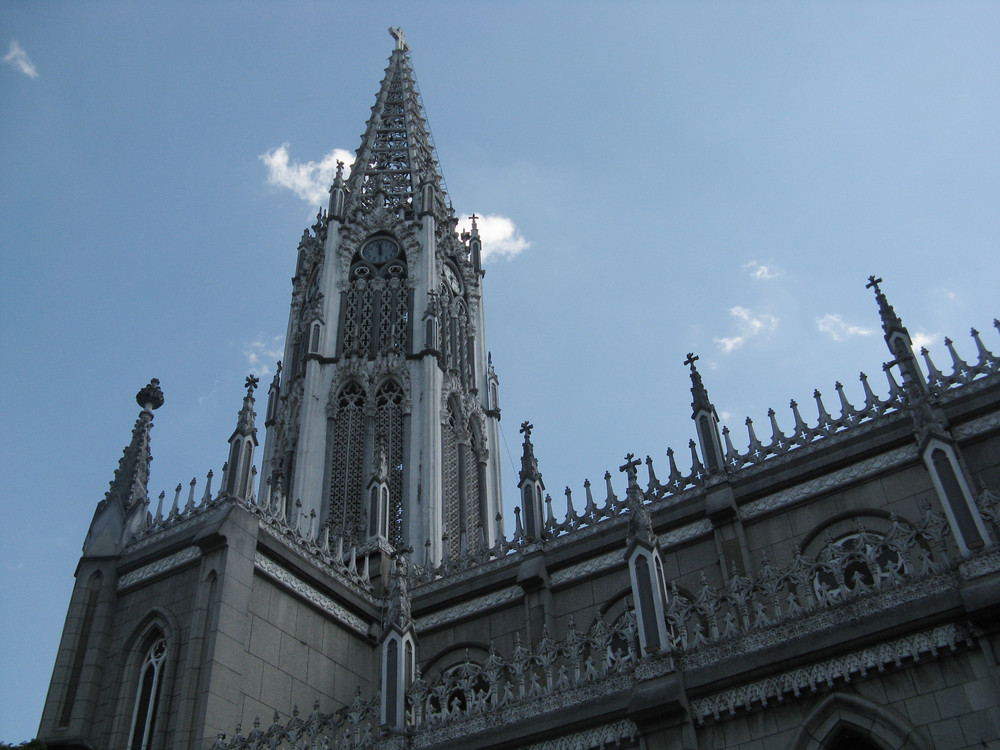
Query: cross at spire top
x=397, y=34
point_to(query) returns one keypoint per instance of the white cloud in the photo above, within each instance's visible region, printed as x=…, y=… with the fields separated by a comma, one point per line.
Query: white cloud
x=921, y=339
x=18, y=59
x=263, y=353
x=834, y=326
x=760, y=271
x=751, y=324
x=309, y=181
x=501, y=239
x=730, y=344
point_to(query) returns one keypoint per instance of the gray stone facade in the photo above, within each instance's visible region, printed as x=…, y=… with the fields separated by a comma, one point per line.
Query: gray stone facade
x=837, y=581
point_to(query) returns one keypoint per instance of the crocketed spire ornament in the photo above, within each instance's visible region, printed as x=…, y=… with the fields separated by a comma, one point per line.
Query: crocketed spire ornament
x=699, y=393
x=122, y=513
x=890, y=321
x=640, y=525
x=398, y=611
x=897, y=338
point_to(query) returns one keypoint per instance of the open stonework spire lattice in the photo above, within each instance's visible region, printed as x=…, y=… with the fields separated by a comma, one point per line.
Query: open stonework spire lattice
x=396, y=157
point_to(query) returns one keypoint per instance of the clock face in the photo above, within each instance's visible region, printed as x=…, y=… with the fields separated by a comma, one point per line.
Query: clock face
x=451, y=278
x=379, y=251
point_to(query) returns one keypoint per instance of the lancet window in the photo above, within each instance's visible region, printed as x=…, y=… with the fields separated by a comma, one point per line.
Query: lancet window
x=375, y=316
x=347, y=447
x=475, y=474
x=455, y=330
x=147, y=697
x=389, y=433
x=450, y=483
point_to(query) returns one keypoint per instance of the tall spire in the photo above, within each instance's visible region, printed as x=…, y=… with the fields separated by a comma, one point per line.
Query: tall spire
x=123, y=510
x=396, y=157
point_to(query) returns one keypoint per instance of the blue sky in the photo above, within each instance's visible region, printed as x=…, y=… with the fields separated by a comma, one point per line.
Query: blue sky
x=709, y=177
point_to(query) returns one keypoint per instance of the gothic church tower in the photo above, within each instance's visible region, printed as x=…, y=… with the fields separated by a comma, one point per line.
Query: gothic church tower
x=382, y=423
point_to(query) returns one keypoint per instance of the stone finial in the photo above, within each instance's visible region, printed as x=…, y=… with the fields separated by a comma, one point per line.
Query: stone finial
x=150, y=397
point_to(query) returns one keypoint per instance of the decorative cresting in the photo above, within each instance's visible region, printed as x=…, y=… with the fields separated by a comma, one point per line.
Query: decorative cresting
x=645, y=565
x=859, y=574
x=807, y=437
x=553, y=672
x=354, y=726
x=396, y=166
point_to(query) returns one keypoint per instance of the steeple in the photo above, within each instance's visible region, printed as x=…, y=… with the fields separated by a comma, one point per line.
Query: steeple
x=897, y=338
x=122, y=513
x=385, y=351
x=396, y=158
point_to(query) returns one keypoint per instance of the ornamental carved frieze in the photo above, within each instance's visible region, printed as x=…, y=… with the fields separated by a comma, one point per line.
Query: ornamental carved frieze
x=834, y=480
x=828, y=674
x=467, y=608
x=310, y=594
x=162, y=565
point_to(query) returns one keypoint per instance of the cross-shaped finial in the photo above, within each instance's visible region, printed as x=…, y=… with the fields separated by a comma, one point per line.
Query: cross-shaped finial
x=630, y=466
x=340, y=170
x=873, y=282
x=691, y=359
x=252, y=381
x=526, y=428
x=397, y=34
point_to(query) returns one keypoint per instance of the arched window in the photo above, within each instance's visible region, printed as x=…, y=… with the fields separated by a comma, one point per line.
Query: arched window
x=347, y=450
x=389, y=432
x=147, y=697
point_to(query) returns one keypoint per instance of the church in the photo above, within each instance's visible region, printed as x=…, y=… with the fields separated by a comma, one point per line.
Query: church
x=832, y=586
